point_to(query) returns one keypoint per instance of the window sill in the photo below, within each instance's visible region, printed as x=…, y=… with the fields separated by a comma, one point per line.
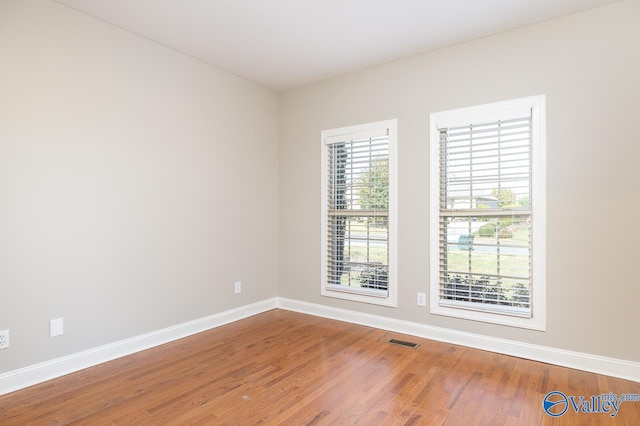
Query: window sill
x=371, y=296
x=489, y=317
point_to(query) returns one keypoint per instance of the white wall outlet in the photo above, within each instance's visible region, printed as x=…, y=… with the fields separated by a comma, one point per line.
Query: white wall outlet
x=56, y=327
x=238, y=287
x=4, y=339
x=422, y=299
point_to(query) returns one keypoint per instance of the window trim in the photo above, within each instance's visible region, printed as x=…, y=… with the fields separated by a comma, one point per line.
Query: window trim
x=353, y=132
x=479, y=114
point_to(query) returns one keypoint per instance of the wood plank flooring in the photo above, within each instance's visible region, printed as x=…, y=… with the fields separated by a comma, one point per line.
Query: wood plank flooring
x=287, y=368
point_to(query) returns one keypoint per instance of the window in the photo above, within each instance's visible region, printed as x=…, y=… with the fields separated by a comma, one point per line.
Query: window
x=488, y=213
x=358, y=213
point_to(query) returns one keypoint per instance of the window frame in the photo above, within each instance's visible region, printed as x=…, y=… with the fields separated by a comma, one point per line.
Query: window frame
x=483, y=114
x=348, y=133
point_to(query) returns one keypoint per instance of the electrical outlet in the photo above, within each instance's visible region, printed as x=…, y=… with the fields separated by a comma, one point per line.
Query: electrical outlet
x=238, y=287
x=422, y=299
x=4, y=339
x=56, y=327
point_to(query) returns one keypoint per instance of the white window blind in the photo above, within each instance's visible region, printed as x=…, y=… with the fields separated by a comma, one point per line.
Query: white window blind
x=488, y=213
x=356, y=212
x=485, y=216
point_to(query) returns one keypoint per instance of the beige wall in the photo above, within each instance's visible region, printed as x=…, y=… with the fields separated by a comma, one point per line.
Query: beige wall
x=136, y=184
x=588, y=65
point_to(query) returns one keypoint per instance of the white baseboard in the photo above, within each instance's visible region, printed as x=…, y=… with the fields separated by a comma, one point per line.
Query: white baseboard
x=38, y=373
x=581, y=361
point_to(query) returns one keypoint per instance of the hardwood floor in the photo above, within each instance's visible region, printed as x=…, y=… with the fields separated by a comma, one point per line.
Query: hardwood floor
x=282, y=367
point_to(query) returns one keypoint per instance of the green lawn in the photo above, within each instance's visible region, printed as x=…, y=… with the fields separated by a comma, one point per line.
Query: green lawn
x=521, y=235
x=362, y=254
x=487, y=263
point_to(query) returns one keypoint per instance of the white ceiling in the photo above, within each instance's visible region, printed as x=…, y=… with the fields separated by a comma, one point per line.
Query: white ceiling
x=286, y=43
